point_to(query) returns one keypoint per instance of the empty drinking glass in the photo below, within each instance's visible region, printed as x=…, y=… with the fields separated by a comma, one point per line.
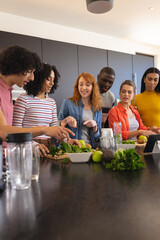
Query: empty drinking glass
x=19, y=149
x=7, y=173
x=117, y=130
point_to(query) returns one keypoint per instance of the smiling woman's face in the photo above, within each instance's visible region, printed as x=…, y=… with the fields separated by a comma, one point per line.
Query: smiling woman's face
x=48, y=83
x=126, y=94
x=85, y=88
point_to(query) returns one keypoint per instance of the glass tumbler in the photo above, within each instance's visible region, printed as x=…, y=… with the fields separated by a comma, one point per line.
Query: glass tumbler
x=19, y=149
x=36, y=163
x=117, y=130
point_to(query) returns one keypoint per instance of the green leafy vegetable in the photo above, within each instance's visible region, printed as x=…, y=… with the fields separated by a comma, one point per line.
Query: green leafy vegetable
x=69, y=148
x=53, y=150
x=128, y=142
x=125, y=160
x=74, y=148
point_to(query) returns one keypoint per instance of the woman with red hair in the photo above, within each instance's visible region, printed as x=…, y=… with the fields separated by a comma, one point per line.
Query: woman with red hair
x=82, y=113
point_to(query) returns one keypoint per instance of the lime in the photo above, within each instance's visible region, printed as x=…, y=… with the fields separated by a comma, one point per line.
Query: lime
x=97, y=156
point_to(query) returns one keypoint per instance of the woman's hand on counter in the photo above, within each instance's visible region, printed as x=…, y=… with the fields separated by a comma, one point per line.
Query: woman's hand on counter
x=155, y=129
x=43, y=149
x=145, y=132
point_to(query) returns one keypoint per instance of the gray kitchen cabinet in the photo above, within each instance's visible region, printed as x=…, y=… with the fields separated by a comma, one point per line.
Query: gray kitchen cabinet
x=64, y=57
x=91, y=60
x=72, y=59
x=140, y=64
x=122, y=65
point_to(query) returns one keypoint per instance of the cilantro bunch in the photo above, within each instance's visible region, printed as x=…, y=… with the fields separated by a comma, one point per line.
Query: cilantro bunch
x=125, y=160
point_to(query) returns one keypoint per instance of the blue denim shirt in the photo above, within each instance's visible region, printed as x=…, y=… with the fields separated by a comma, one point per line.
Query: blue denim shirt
x=68, y=108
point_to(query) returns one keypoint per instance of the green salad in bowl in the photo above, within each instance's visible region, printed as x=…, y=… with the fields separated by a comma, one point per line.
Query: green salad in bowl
x=75, y=153
x=128, y=142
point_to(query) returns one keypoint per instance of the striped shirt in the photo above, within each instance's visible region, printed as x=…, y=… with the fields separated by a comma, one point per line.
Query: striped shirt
x=31, y=111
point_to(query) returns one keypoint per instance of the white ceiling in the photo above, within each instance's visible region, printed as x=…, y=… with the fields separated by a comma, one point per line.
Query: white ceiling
x=129, y=19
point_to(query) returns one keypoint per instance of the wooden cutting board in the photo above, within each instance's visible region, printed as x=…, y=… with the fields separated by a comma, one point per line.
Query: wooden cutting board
x=140, y=145
x=60, y=157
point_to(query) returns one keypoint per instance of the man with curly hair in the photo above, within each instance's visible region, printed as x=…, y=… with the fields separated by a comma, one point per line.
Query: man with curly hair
x=17, y=66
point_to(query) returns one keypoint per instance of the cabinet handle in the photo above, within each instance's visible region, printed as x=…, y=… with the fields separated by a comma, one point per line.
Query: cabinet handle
x=134, y=77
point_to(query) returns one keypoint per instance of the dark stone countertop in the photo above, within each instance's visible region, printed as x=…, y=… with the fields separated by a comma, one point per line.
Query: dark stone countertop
x=84, y=201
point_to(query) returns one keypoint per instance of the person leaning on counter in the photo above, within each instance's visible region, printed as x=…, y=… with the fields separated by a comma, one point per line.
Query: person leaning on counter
x=17, y=66
x=132, y=125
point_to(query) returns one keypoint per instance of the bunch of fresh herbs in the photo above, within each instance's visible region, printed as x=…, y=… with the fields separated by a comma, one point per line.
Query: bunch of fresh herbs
x=125, y=160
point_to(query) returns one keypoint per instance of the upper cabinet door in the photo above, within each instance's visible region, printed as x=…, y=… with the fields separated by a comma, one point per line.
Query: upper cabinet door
x=140, y=64
x=91, y=60
x=64, y=57
x=12, y=39
x=122, y=65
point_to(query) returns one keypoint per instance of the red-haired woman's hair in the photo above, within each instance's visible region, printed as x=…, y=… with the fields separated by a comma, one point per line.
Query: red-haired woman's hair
x=95, y=95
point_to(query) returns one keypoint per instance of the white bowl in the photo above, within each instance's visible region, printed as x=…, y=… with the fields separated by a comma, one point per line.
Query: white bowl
x=126, y=146
x=79, y=157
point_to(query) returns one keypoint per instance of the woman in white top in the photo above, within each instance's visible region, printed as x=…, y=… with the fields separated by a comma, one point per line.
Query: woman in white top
x=132, y=125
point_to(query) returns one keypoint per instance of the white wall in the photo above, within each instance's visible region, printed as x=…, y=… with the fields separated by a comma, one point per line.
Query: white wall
x=32, y=27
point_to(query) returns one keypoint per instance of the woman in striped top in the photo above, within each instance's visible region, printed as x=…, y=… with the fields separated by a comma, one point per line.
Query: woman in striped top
x=35, y=108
